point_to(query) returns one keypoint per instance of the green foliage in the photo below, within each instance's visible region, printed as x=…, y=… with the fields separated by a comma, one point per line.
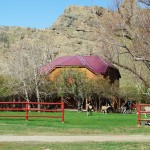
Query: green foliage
x=134, y=93
x=71, y=81
x=47, y=87
x=75, y=82
x=102, y=87
x=147, y=92
x=145, y=99
x=4, y=89
x=146, y=96
x=8, y=86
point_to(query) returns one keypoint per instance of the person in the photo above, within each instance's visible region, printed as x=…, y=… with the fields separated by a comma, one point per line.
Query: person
x=127, y=108
x=89, y=110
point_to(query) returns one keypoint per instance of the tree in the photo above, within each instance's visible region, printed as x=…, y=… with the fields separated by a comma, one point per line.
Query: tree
x=23, y=62
x=72, y=82
x=126, y=39
x=147, y=2
x=75, y=82
x=4, y=88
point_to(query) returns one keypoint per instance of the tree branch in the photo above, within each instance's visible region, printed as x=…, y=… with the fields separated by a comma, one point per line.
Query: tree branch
x=146, y=2
x=131, y=70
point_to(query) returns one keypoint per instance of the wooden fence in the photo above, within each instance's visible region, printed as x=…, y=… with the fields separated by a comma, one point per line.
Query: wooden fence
x=26, y=107
x=142, y=111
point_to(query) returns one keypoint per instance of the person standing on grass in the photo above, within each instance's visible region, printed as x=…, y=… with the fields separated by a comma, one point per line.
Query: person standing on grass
x=89, y=110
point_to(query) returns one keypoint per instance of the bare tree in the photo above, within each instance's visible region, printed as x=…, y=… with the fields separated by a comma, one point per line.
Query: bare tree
x=117, y=4
x=147, y=2
x=23, y=63
x=126, y=39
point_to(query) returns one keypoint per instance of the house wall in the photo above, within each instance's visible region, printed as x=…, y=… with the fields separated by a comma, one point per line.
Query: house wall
x=88, y=73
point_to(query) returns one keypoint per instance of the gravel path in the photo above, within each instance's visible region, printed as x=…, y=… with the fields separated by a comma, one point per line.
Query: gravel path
x=101, y=138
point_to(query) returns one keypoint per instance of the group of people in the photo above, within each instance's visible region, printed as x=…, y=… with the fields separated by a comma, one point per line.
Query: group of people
x=128, y=107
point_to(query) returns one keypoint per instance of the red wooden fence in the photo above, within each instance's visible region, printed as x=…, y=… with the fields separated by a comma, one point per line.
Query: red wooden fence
x=140, y=111
x=26, y=108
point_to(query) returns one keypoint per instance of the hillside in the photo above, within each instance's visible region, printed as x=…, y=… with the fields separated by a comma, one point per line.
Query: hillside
x=77, y=31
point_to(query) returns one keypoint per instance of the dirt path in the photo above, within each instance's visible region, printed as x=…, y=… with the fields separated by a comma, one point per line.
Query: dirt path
x=101, y=138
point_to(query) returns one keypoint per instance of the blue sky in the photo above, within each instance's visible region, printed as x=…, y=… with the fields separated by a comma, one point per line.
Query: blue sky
x=39, y=13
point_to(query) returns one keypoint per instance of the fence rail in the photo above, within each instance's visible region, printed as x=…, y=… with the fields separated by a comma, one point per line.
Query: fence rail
x=25, y=106
x=139, y=106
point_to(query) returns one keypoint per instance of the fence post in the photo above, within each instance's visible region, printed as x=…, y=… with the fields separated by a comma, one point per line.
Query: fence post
x=27, y=110
x=62, y=109
x=139, y=114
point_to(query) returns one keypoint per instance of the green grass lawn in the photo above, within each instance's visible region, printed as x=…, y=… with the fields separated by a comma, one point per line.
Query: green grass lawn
x=75, y=146
x=76, y=123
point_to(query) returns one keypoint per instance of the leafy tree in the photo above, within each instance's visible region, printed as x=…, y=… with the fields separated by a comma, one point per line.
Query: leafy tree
x=71, y=81
x=75, y=82
x=5, y=88
x=131, y=92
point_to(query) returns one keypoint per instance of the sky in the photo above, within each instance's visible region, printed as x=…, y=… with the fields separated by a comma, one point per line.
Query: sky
x=39, y=14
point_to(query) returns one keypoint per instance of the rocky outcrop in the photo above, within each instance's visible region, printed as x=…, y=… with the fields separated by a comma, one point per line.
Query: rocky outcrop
x=77, y=30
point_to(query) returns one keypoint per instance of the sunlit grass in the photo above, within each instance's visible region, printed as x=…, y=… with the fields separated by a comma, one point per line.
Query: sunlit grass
x=76, y=123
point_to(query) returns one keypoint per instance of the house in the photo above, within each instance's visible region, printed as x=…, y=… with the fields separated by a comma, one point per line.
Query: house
x=93, y=66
